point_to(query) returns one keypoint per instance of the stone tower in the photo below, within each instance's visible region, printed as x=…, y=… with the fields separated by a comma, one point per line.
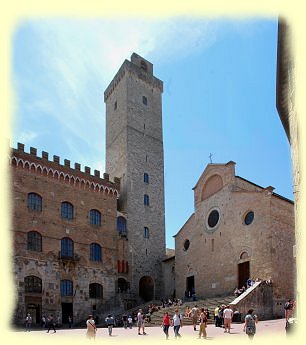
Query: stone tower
x=134, y=152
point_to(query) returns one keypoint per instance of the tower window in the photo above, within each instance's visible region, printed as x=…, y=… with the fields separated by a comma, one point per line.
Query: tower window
x=146, y=232
x=145, y=178
x=121, y=226
x=143, y=65
x=144, y=100
x=115, y=105
x=146, y=200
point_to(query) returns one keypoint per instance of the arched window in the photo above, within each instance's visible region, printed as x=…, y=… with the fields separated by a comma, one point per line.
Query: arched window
x=146, y=232
x=145, y=178
x=95, y=252
x=32, y=284
x=66, y=248
x=67, y=210
x=34, y=241
x=146, y=200
x=34, y=202
x=95, y=217
x=143, y=65
x=144, y=100
x=95, y=290
x=66, y=287
x=121, y=225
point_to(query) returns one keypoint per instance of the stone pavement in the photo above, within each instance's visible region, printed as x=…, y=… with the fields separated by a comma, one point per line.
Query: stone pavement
x=275, y=328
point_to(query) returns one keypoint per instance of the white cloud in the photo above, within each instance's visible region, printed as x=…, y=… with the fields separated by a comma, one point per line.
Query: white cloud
x=80, y=58
x=27, y=137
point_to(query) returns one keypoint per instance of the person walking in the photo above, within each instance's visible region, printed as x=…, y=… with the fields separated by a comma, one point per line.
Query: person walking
x=140, y=322
x=203, y=324
x=177, y=323
x=195, y=316
x=227, y=316
x=91, y=328
x=166, y=324
x=110, y=321
x=28, y=322
x=51, y=323
x=250, y=324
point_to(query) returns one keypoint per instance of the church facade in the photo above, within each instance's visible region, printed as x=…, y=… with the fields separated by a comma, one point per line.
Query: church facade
x=238, y=230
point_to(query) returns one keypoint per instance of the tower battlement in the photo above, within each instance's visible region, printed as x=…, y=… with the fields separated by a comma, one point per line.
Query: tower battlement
x=42, y=163
x=138, y=66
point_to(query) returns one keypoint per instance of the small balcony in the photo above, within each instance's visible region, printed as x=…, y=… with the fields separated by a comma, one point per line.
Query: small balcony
x=68, y=257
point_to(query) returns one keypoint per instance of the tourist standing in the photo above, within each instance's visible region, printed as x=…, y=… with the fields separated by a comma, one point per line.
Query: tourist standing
x=227, y=316
x=177, y=323
x=70, y=321
x=216, y=317
x=195, y=316
x=203, y=324
x=91, y=328
x=130, y=321
x=28, y=322
x=250, y=324
x=110, y=322
x=140, y=322
x=166, y=324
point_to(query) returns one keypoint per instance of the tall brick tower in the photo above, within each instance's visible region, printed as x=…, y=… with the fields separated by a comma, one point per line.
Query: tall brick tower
x=134, y=152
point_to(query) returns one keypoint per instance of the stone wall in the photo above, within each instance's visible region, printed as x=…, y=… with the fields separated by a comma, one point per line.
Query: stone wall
x=134, y=147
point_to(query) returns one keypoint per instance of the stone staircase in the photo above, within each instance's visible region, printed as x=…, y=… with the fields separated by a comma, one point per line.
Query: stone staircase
x=208, y=303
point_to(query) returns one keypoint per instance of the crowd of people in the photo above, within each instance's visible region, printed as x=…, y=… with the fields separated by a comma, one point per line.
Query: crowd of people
x=223, y=317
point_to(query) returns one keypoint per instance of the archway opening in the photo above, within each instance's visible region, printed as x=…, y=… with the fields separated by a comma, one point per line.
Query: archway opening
x=146, y=288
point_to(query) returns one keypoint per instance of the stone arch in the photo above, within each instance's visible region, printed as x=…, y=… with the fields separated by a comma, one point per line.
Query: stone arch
x=123, y=285
x=244, y=255
x=14, y=161
x=45, y=171
x=212, y=185
x=146, y=288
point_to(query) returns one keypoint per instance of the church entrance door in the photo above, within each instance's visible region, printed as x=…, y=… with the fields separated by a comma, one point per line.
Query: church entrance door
x=146, y=288
x=243, y=273
x=190, y=286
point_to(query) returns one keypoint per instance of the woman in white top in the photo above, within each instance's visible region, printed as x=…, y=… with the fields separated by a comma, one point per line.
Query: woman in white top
x=91, y=328
x=177, y=323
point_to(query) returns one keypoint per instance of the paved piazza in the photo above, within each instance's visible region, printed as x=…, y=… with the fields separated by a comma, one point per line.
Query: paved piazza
x=275, y=328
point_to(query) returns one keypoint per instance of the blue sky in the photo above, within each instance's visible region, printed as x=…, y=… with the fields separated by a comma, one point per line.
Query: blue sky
x=219, y=96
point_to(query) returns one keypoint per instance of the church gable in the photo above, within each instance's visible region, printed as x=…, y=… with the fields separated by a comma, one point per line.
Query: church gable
x=213, y=179
x=213, y=184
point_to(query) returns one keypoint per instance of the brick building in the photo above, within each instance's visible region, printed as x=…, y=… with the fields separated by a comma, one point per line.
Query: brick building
x=66, y=244
x=79, y=246
x=238, y=230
